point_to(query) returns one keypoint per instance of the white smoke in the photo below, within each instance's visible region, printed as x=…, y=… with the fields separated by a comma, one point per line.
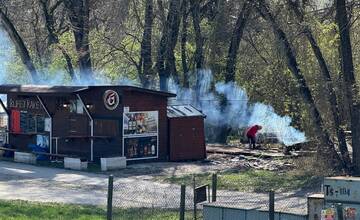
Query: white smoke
x=5, y=55
x=238, y=113
x=273, y=123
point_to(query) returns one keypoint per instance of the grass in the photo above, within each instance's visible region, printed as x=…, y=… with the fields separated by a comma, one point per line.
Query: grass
x=22, y=210
x=250, y=180
x=149, y=214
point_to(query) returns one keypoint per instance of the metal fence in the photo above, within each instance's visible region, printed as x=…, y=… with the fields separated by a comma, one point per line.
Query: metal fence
x=139, y=199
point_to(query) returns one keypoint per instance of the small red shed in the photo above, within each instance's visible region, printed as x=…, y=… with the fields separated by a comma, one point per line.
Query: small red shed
x=186, y=133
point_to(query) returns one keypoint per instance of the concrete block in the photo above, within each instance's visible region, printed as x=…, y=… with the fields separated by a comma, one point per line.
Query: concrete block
x=113, y=163
x=25, y=157
x=75, y=163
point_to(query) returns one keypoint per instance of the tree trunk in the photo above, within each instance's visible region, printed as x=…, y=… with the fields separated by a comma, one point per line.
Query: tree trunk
x=69, y=65
x=20, y=46
x=78, y=11
x=231, y=61
x=199, y=40
x=352, y=90
x=184, y=33
x=174, y=22
x=334, y=104
x=327, y=150
x=235, y=42
x=165, y=59
x=147, y=73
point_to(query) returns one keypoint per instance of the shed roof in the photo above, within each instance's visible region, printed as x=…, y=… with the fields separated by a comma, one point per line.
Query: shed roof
x=139, y=89
x=44, y=89
x=175, y=111
x=41, y=89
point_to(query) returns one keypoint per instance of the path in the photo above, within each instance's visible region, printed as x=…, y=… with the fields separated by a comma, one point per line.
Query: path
x=42, y=184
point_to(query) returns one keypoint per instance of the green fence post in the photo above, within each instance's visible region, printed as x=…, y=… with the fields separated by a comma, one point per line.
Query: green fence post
x=213, y=187
x=271, y=205
x=110, y=197
x=182, y=202
x=194, y=185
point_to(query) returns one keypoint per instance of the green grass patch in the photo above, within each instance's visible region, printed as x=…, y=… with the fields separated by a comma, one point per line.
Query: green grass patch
x=250, y=180
x=22, y=210
x=149, y=214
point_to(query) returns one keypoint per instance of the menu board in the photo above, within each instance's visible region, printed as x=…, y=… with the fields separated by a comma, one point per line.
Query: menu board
x=140, y=134
x=25, y=122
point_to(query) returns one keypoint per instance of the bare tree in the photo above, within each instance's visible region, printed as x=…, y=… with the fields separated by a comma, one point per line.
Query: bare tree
x=146, y=61
x=78, y=11
x=330, y=91
x=53, y=37
x=19, y=45
x=347, y=68
x=184, y=33
x=235, y=41
x=199, y=40
x=327, y=150
x=236, y=37
x=165, y=58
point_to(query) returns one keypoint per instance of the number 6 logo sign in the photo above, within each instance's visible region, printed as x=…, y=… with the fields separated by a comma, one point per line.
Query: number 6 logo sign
x=111, y=99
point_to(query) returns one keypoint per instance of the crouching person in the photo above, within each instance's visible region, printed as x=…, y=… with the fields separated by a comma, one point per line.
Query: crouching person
x=251, y=135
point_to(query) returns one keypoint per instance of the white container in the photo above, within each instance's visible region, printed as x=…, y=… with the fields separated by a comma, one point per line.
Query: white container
x=113, y=163
x=25, y=157
x=316, y=204
x=75, y=163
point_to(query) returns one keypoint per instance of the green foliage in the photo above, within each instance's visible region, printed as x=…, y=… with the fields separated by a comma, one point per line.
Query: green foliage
x=115, y=62
x=16, y=72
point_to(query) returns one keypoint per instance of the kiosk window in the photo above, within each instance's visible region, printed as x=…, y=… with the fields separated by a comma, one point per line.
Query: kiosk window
x=76, y=107
x=106, y=127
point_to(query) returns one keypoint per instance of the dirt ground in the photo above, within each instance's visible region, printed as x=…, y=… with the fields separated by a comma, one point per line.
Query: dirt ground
x=215, y=162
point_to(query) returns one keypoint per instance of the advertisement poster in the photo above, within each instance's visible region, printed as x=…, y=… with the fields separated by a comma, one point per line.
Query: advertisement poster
x=140, y=123
x=42, y=141
x=328, y=214
x=349, y=213
x=140, y=135
x=140, y=147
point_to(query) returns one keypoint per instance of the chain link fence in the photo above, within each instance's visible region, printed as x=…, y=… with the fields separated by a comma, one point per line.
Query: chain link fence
x=146, y=199
x=143, y=199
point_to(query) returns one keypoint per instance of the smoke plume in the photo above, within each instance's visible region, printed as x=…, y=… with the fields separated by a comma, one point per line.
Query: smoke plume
x=5, y=55
x=238, y=112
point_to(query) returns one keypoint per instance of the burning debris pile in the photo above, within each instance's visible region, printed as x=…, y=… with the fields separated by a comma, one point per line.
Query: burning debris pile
x=240, y=162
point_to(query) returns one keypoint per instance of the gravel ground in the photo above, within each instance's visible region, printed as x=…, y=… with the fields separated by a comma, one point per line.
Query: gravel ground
x=34, y=183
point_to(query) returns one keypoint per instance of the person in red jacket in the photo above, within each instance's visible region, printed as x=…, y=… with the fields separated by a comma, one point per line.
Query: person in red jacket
x=251, y=135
